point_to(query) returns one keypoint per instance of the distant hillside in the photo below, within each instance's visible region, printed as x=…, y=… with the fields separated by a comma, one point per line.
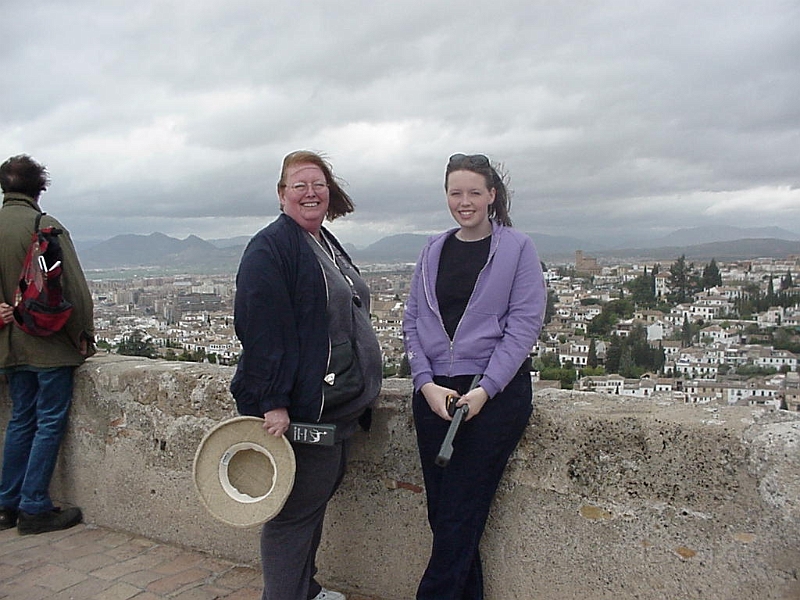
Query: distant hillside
x=692, y=236
x=159, y=250
x=239, y=241
x=722, y=251
x=194, y=254
x=405, y=247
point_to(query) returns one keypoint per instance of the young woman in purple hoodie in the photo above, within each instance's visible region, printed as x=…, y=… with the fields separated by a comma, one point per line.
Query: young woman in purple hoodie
x=474, y=312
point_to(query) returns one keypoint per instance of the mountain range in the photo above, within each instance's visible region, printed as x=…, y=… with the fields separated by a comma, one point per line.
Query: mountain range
x=194, y=254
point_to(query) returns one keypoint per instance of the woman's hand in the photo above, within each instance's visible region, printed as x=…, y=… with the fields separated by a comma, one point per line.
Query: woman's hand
x=476, y=399
x=276, y=422
x=86, y=344
x=436, y=396
x=6, y=313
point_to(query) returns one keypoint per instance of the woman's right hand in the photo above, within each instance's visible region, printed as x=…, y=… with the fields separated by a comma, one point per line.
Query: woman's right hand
x=276, y=421
x=6, y=313
x=436, y=396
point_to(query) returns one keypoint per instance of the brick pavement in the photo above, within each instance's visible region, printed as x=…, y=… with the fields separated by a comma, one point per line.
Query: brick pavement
x=92, y=563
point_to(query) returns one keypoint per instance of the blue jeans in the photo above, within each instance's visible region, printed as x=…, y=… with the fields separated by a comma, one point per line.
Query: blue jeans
x=41, y=401
x=460, y=495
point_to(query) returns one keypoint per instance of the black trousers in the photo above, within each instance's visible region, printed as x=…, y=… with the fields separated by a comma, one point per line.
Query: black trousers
x=460, y=494
x=289, y=542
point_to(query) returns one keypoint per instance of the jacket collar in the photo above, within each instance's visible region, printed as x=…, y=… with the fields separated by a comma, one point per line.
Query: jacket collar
x=9, y=197
x=437, y=241
x=328, y=235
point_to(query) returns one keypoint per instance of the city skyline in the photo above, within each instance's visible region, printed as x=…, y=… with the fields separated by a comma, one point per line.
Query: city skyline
x=616, y=121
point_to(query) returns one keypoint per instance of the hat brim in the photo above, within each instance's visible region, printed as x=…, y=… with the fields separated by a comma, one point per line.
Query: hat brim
x=242, y=474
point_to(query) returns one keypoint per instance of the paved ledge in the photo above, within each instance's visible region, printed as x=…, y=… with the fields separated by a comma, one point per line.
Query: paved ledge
x=606, y=497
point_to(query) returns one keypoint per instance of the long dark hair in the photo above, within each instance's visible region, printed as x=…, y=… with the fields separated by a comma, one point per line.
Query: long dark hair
x=495, y=178
x=340, y=203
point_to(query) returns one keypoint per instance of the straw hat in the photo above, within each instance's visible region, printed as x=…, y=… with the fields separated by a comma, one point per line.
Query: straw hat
x=243, y=474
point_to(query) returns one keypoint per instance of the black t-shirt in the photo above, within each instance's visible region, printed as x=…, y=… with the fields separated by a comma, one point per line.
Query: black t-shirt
x=459, y=266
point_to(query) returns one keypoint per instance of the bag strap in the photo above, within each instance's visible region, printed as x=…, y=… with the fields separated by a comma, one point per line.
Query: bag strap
x=38, y=220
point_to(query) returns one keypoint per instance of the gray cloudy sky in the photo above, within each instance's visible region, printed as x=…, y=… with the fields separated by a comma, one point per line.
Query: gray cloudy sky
x=614, y=117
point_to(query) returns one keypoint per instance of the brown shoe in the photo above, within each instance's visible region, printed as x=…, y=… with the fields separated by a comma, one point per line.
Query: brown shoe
x=52, y=520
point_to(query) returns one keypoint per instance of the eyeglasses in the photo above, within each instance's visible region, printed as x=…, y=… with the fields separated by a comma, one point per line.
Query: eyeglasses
x=301, y=187
x=468, y=160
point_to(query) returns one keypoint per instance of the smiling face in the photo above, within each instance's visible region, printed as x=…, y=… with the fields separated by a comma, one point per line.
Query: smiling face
x=308, y=206
x=469, y=198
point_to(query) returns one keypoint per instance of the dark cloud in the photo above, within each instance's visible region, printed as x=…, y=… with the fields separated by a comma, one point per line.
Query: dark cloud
x=615, y=118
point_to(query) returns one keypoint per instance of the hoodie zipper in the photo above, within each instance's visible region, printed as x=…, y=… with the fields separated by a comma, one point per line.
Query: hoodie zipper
x=435, y=306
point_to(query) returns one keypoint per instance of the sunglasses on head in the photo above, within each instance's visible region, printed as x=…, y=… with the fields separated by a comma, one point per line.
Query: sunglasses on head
x=468, y=160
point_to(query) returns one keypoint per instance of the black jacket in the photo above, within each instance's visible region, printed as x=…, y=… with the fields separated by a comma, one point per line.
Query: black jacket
x=280, y=318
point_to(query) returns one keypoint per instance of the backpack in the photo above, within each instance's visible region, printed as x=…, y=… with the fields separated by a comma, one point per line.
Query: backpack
x=40, y=308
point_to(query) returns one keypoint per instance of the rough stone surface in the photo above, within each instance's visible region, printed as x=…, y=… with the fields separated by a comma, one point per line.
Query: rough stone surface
x=605, y=497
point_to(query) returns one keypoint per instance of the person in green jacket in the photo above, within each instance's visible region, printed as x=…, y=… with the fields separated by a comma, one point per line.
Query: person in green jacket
x=39, y=370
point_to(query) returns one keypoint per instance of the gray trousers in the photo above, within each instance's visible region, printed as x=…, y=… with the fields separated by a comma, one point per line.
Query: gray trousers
x=289, y=541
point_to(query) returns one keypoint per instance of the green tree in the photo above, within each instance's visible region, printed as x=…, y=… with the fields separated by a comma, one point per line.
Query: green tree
x=591, y=359
x=659, y=359
x=565, y=375
x=602, y=324
x=592, y=372
x=135, y=344
x=750, y=302
x=711, y=275
x=612, y=312
x=590, y=301
x=641, y=352
x=643, y=290
x=682, y=280
x=754, y=371
x=550, y=308
x=613, y=354
x=627, y=367
x=632, y=355
x=548, y=360
x=198, y=355
x=786, y=339
x=686, y=332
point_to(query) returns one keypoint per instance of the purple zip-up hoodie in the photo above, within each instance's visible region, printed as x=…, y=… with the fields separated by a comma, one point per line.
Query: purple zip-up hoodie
x=499, y=326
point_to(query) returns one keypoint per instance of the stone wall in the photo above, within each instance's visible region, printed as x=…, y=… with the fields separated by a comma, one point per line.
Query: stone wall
x=606, y=497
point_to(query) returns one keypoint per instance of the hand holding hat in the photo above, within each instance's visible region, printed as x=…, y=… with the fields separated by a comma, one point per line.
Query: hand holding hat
x=243, y=474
